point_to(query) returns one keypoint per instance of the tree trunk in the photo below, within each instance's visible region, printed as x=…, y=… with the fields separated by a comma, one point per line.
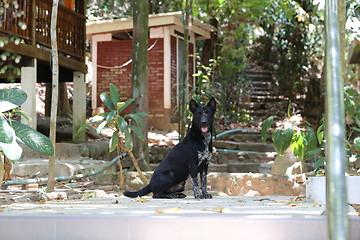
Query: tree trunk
x=342, y=28
x=55, y=93
x=140, y=76
x=64, y=104
x=184, y=73
x=209, y=47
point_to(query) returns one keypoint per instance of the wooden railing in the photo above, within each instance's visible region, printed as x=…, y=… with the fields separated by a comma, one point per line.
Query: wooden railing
x=30, y=20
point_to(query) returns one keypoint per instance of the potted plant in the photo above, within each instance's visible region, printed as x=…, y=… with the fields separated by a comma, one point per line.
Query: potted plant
x=316, y=183
x=293, y=138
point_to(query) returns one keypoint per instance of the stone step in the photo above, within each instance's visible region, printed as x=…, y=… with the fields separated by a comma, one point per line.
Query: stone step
x=259, y=77
x=262, y=84
x=224, y=157
x=262, y=93
x=237, y=167
x=255, y=147
x=267, y=99
x=240, y=137
x=33, y=168
x=263, y=114
x=251, y=71
x=246, y=137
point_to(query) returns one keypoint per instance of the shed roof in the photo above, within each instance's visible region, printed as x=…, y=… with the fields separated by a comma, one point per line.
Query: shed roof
x=201, y=30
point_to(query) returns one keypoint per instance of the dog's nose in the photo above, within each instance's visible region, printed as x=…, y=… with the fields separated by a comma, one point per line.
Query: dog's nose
x=203, y=121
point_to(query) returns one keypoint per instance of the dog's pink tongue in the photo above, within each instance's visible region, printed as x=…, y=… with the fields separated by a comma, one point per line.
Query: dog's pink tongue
x=204, y=129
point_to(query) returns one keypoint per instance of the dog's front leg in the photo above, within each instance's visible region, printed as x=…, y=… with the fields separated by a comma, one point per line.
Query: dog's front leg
x=194, y=182
x=203, y=177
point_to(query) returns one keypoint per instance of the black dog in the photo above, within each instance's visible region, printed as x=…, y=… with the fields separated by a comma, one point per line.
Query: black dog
x=188, y=158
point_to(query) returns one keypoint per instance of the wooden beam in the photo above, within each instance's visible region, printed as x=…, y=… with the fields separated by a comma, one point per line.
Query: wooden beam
x=44, y=54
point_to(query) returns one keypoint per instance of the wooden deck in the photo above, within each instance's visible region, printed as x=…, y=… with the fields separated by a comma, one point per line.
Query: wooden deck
x=30, y=21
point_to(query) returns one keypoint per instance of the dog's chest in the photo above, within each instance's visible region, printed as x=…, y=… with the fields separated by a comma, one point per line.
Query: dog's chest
x=205, y=155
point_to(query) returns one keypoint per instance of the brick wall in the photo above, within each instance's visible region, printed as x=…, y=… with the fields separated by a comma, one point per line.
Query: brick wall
x=117, y=52
x=173, y=75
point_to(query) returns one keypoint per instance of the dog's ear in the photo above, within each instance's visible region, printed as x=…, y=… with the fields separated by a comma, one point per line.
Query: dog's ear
x=193, y=105
x=212, y=103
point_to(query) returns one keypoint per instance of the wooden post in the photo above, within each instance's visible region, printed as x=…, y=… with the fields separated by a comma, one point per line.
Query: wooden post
x=79, y=107
x=28, y=84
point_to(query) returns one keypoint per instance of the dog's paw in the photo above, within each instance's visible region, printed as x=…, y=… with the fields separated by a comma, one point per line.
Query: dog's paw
x=197, y=196
x=206, y=196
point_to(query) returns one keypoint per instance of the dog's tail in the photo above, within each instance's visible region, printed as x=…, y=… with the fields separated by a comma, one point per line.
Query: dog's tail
x=141, y=192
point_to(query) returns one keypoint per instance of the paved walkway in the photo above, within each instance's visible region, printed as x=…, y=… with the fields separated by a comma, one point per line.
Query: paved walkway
x=223, y=217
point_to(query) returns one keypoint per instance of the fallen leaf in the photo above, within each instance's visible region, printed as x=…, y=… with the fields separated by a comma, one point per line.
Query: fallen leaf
x=168, y=210
x=293, y=204
x=220, y=209
x=282, y=200
x=298, y=199
x=262, y=199
x=143, y=200
x=241, y=201
x=317, y=204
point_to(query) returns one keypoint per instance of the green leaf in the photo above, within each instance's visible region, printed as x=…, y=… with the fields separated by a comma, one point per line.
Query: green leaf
x=6, y=131
x=97, y=118
x=298, y=145
x=289, y=109
x=101, y=127
x=319, y=163
x=113, y=141
x=33, y=139
x=122, y=105
x=11, y=150
x=122, y=124
x=11, y=98
x=110, y=116
x=21, y=113
x=311, y=139
x=320, y=133
x=137, y=132
x=107, y=101
x=82, y=128
x=265, y=127
x=311, y=153
x=278, y=140
x=114, y=94
x=128, y=141
x=287, y=134
x=357, y=142
x=137, y=117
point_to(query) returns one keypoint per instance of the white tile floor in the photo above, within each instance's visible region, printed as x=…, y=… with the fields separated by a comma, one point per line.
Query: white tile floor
x=258, y=218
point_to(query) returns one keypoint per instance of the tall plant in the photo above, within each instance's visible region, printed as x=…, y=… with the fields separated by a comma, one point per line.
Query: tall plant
x=122, y=126
x=12, y=132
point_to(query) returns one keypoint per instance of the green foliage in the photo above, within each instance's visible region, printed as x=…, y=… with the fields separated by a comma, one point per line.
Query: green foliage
x=12, y=131
x=307, y=144
x=116, y=120
x=8, y=60
x=291, y=132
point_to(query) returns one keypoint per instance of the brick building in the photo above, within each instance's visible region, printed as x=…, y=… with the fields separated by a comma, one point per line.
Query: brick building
x=111, y=58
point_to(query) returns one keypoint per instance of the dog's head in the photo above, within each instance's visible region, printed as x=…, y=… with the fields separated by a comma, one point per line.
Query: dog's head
x=203, y=116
